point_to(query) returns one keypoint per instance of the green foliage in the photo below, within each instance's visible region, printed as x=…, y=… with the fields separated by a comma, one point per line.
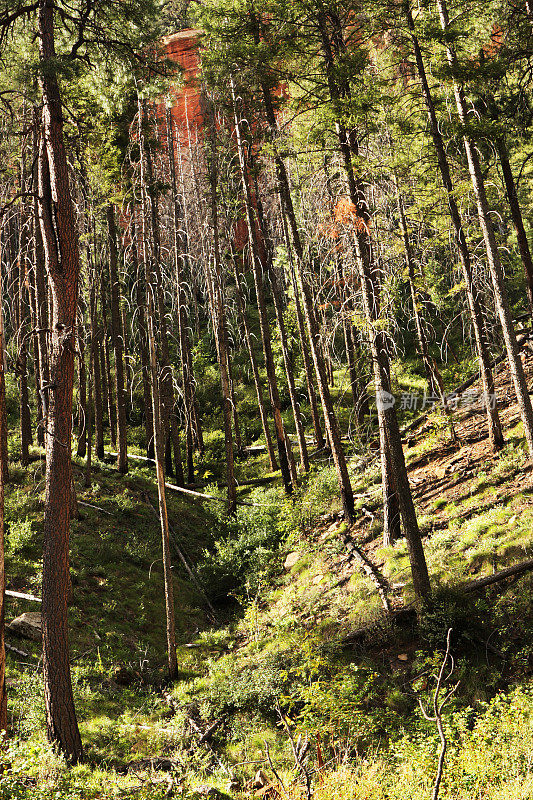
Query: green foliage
x=247, y=552
x=450, y=609
x=19, y=535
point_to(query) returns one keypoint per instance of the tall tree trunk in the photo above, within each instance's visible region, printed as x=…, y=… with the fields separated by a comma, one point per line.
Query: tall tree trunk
x=128, y=362
x=117, y=336
x=26, y=438
x=82, y=389
x=140, y=293
x=39, y=426
x=97, y=376
x=377, y=337
x=281, y=436
x=90, y=392
x=253, y=362
x=218, y=311
x=61, y=248
x=472, y=292
x=180, y=247
x=348, y=147
x=277, y=296
x=491, y=247
x=516, y=214
x=389, y=421
x=330, y=419
x=169, y=418
x=300, y=432
x=107, y=382
x=22, y=315
x=434, y=378
x=195, y=412
x=234, y=410
x=300, y=321
x=357, y=384
x=512, y=194
x=159, y=446
x=41, y=292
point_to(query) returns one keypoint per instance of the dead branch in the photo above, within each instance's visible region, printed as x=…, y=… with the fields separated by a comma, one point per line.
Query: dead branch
x=438, y=705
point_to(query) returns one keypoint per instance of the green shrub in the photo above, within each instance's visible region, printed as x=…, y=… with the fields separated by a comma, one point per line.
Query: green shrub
x=19, y=535
x=450, y=609
x=247, y=550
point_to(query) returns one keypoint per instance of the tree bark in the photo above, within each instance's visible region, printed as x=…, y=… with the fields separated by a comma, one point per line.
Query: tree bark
x=22, y=315
x=117, y=336
x=277, y=296
x=58, y=228
x=159, y=446
x=298, y=423
x=82, y=390
x=90, y=393
x=169, y=419
x=218, y=311
x=107, y=382
x=234, y=410
x=41, y=292
x=26, y=438
x=300, y=321
x=196, y=421
x=140, y=293
x=97, y=375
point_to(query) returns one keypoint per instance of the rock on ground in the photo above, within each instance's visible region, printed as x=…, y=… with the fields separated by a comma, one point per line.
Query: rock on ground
x=28, y=625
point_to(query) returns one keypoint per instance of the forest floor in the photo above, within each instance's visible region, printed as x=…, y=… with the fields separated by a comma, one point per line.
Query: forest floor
x=283, y=657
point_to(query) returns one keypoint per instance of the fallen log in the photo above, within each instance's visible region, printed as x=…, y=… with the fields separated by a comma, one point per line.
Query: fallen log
x=253, y=482
x=191, y=493
x=134, y=456
x=22, y=596
x=196, y=728
x=202, y=496
x=16, y=651
x=369, y=569
x=482, y=583
x=183, y=490
x=210, y=731
x=97, y=508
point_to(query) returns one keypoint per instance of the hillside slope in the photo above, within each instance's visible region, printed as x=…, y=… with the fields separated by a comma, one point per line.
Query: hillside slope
x=285, y=657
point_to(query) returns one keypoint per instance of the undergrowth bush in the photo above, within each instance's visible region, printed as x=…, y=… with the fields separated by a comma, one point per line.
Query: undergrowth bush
x=247, y=549
x=451, y=609
x=19, y=534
